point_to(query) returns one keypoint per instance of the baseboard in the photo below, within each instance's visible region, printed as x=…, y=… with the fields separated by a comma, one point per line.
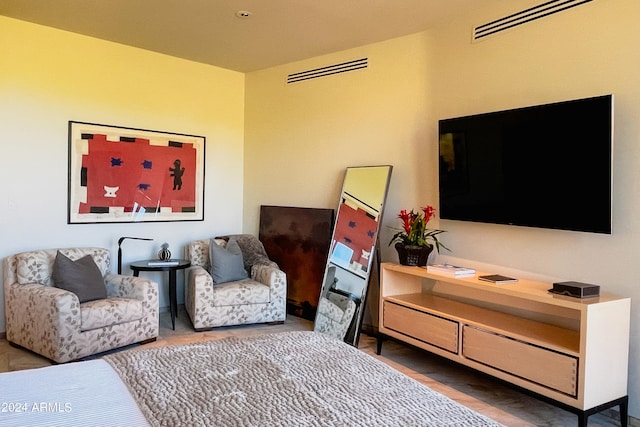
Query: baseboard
x=614, y=414
x=3, y=335
x=633, y=421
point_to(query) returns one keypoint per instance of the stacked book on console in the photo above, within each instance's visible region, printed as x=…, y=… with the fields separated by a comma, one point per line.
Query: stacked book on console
x=451, y=270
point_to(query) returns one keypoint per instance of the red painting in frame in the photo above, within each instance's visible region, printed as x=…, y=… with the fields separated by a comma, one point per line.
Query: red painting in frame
x=119, y=174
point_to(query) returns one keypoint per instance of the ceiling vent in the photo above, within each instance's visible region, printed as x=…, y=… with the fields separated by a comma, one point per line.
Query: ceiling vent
x=343, y=67
x=528, y=15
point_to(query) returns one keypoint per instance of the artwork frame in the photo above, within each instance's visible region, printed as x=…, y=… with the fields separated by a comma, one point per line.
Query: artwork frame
x=119, y=174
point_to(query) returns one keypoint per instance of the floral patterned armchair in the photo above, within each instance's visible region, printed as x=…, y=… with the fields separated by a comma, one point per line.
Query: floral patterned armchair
x=335, y=315
x=259, y=298
x=336, y=308
x=52, y=322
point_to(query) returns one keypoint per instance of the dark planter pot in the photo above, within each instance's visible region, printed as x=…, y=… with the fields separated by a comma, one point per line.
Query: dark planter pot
x=413, y=255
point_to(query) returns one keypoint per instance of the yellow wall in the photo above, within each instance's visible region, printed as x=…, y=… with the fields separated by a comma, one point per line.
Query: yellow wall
x=583, y=52
x=49, y=77
x=300, y=137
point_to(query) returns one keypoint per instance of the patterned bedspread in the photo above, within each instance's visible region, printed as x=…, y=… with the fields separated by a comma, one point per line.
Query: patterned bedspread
x=281, y=379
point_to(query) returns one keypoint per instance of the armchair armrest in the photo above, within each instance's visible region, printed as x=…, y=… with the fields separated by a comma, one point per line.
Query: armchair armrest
x=198, y=295
x=199, y=280
x=271, y=276
x=145, y=290
x=120, y=286
x=41, y=317
x=330, y=310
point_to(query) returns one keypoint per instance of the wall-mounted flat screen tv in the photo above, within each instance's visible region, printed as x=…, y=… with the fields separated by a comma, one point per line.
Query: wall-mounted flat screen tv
x=545, y=166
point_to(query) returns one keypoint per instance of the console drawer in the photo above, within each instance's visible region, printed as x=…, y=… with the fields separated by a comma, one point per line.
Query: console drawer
x=548, y=368
x=434, y=330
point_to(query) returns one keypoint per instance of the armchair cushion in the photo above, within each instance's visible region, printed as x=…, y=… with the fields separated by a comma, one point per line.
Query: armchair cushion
x=82, y=277
x=112, y=311
x=241, y=292
x=227, y=264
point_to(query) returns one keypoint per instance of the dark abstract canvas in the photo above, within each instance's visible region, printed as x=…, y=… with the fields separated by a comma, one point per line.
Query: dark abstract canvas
x=298, y=240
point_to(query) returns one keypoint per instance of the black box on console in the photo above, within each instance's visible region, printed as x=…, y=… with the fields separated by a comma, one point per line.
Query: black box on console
x=576, y=289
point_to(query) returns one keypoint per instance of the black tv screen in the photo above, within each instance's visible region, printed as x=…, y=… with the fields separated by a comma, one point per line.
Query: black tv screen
x=545, y=166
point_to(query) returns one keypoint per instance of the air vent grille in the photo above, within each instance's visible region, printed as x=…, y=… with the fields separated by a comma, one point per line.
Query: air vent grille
x=343, y=67
x=528, y=15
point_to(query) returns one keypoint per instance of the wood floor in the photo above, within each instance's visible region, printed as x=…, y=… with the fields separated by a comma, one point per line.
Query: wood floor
x=477, y=391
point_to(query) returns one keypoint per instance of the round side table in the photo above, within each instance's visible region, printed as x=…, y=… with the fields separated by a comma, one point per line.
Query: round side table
x=171, y=266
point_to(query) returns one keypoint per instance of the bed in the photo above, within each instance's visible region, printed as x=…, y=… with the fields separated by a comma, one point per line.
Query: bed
x=298, y=378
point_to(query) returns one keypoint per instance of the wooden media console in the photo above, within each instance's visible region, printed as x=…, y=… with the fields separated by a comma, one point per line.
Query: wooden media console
x=571, y=351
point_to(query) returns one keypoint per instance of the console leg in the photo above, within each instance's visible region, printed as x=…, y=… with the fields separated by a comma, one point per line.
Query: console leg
x=583, y=419
x=623, y=403
x=379, y=340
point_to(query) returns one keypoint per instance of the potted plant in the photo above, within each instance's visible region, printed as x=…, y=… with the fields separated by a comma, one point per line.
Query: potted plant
x=414, y=241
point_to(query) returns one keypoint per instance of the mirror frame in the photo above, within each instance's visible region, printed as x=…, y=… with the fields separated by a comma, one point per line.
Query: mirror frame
x=343, y=264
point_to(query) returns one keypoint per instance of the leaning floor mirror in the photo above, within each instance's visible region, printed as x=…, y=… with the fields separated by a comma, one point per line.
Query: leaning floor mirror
x=351, y=253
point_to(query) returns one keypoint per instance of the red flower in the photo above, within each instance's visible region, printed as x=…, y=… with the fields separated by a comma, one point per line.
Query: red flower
x=406, y=220
x=414, y=231
x=429, y=212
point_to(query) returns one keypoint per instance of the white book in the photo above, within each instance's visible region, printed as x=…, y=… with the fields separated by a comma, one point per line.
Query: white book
x=451, y=270
x=162, y=263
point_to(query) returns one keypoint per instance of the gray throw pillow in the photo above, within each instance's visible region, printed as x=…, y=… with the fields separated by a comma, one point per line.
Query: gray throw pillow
x=82, y=277
x=227, y=264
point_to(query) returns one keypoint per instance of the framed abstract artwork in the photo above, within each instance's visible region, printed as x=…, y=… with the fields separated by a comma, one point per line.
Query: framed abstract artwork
x=119, y=174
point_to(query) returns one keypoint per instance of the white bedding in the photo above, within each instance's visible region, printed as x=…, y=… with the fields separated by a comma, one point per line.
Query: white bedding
x=82, y=394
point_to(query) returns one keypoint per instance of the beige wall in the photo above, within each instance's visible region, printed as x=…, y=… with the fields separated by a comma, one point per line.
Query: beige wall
x=300, y=137
x=49, y=77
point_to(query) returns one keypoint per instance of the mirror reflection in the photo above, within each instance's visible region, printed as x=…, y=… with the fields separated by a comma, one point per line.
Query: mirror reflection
x=351, y=253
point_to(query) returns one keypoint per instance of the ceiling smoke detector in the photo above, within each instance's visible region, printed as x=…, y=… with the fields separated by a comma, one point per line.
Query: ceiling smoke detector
x=243, y=14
